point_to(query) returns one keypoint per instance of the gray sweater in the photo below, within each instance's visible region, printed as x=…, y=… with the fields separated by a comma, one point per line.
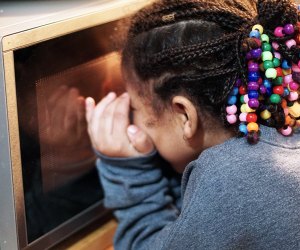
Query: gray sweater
x=234, y=196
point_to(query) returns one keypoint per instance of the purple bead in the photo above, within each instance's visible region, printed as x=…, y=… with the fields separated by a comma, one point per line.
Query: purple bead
x=252, y=86
x=253, y=103
x=248, y=56
x=238, y=83
x=288, y=29
x=256, y=53
x=253, y=67
x=296, y=77
x=262, y=89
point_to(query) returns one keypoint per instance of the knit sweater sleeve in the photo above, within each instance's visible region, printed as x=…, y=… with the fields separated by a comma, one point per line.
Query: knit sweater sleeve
x=144, y=200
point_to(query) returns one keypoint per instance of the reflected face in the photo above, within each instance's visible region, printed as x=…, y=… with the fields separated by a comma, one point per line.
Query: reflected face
x=164, y=129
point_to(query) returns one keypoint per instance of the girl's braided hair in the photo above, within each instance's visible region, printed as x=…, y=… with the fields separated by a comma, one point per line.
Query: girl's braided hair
x=197, y=48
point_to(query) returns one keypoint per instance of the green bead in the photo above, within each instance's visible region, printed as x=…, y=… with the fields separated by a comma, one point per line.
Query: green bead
x=265, y=38
x=242, y=99
x=266, y=47
x=267, y=56
x=274, y=98
x=268, y=64
x=278, y=80
x=276, y=62
x=271, y=73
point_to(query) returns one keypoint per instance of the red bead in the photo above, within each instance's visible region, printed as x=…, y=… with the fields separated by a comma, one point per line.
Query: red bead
x=258, y=42
x=251, y=117
x=279, y=71
x=243, y=90
x=297, y=39
x=279, y=90
x=260, y=81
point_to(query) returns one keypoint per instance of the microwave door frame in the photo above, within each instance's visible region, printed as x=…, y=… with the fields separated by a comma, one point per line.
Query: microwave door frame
x=15, y=153
x=96, y=211
x=15, y=40
x=8, y=230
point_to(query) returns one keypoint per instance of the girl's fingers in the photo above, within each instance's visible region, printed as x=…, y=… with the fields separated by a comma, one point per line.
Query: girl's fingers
x=140, y=140
x=102, y=105
x=89, y=108
x=121, y=115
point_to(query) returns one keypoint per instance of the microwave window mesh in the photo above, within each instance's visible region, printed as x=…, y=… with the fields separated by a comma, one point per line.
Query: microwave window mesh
x=60, y=179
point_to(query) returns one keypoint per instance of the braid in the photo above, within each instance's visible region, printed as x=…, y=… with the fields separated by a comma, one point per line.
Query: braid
x=273, y=13
x=184, y=56
x=200, y=48
x=290, y=54
x=153, y=17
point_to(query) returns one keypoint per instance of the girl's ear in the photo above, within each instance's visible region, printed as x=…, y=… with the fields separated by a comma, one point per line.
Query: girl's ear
x=187, y=113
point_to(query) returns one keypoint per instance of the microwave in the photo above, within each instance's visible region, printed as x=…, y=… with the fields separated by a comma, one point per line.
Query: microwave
x=53, y=55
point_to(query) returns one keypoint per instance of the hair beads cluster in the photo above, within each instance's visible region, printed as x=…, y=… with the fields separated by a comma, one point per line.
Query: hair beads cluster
x=196, y=47
x=272, y=89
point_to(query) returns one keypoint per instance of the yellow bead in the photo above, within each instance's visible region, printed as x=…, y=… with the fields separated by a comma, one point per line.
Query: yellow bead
x=259, y=28
x=295, y=110
x=265, y=114
x=287, y=71
x=252, y=126
x=249, y=110
x=243, y=108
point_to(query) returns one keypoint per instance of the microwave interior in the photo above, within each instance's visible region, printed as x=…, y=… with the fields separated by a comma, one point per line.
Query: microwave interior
x=53, y=77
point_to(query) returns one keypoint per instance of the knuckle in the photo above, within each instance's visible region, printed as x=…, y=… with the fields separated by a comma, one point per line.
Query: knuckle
x=120, y=115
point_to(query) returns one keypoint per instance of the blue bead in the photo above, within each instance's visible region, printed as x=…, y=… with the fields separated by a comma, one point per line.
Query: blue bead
x=285, y=65
x=234, y=91
x=286, y=92
x=269, y=91
x=267, y=83
x=243, y=129
x=253, y=94
x=254, y=33
x=253, y=76
x=231, y=99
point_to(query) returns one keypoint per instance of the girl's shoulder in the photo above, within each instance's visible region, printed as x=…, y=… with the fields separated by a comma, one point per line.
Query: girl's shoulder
x=235, y=160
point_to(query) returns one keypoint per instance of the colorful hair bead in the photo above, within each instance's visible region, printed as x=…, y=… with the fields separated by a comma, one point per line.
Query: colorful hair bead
x=279, y=32
x=259, y=28
x=286, y=131
x=252, y=126
x=290, y=43
x=288, y=29
x=265, y=114
x=272, y=81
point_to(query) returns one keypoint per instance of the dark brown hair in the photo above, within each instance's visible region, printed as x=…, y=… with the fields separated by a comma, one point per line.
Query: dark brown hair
x=196, y=47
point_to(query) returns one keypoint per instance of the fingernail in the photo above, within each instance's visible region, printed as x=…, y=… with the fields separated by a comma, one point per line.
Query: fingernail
x=88, y=101
x=132, y=129
x=124, y=95
x=111, y=94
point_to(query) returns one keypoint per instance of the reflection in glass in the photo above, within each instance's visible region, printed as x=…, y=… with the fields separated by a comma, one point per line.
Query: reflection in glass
x=58, y=162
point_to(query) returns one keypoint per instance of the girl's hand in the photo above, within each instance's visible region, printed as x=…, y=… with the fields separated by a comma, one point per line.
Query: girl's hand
x=110, y=130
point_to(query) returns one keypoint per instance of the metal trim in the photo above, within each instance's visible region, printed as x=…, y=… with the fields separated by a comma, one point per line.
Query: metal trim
x=26, y=38
x=15, y=152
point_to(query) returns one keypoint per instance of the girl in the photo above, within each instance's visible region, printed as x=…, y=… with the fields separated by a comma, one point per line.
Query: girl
x=200, y=75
